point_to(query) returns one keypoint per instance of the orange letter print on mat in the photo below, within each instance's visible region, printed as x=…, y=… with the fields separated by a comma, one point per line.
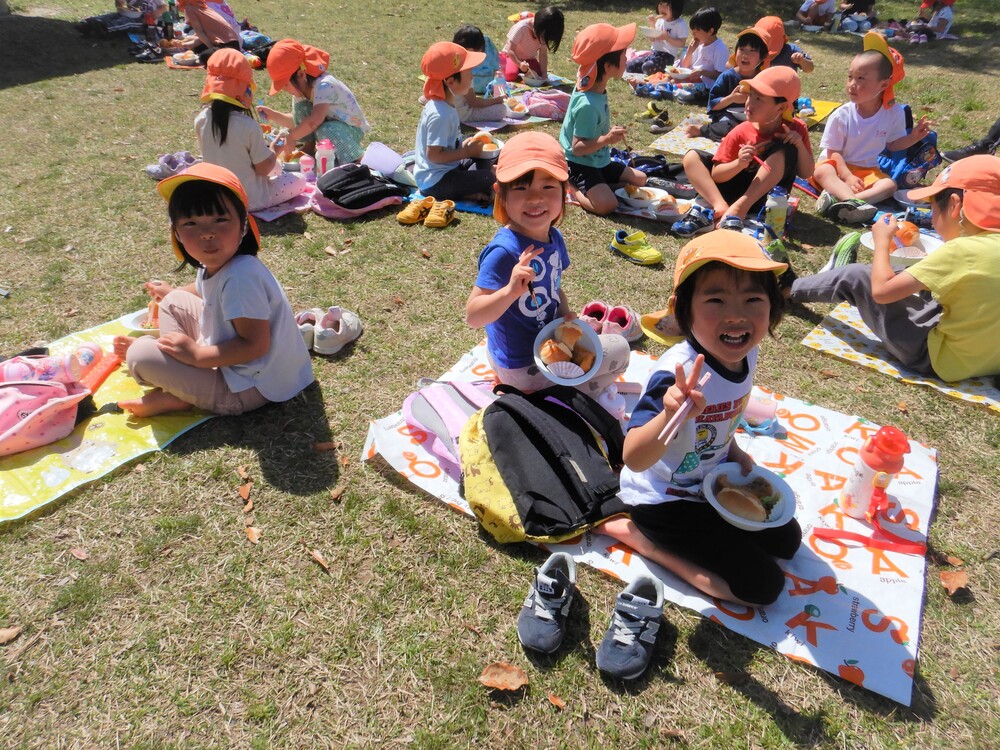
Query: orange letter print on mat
x=804, y=620
x=803, y=586
x=416, y=435
x=424, y=469
x=900, y=634
x=748, y=614
x=624, y=549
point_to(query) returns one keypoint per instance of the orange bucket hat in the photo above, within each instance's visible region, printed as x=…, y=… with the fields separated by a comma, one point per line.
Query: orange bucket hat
x=207, y=173
x=288, y=57
x=526, y=152
x=764, y=36
x=732, y=248
x=443, y=60
x=229, y=78
x=779, y=81
x=593, y=43
x=979, y=178
x=875, y=41
x=774, y=28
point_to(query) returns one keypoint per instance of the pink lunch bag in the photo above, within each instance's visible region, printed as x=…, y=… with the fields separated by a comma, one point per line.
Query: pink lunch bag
x=38, y=412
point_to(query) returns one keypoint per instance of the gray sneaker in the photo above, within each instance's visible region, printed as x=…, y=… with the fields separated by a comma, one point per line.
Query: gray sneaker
x=824, y=202
x=853, y=211
x=541, y=623
x=628, y=645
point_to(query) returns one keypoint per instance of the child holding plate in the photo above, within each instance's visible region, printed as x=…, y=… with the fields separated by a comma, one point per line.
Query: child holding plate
x=726, y=299
x=518, y=289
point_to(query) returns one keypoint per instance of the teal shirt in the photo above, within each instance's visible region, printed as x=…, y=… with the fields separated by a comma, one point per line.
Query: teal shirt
x=588, y=117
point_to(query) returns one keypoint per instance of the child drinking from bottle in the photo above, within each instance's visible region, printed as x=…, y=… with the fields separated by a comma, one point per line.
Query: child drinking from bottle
x=518, y=290
x=726, y=299
x=322, y=106
x=228, y=342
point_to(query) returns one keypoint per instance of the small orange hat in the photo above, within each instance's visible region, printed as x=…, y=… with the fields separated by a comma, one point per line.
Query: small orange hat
x=207, y=173
x=760, y=34
x=288, y=56
x=229, y=78
x=593, y=43
x=875, y=41
x=443, y=60
x=774, y=27
x=526, y=152
x=979, y=177
x=779, y=81
x=726, y=246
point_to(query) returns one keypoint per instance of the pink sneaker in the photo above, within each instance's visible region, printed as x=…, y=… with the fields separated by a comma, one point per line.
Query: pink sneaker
x=335, y=330
x=623, y=321
x=594, y=314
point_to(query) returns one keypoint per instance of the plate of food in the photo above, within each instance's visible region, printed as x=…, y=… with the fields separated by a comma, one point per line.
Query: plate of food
x=650, y=198
x=903, y=197
x=515, y=109
x=533, y=79
x=145, y=320
x=760, y=500
x=491, y=145
x=911, y=246
x=674, y=70
x=650, y=31
x=568, y=352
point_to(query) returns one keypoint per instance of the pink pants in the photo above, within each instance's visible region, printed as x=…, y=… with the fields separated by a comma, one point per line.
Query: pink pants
x=206, y=388
x=510, y=70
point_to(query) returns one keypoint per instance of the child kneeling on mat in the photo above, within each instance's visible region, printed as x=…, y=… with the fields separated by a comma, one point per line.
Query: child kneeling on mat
x=726, y=299
x=228, y=342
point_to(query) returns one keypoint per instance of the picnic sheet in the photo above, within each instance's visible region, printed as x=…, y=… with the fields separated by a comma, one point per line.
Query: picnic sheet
x=98, y=445
x=823, y=110
x=313, y=200
x=843, y=334
x=851, y=610
x=675, y=142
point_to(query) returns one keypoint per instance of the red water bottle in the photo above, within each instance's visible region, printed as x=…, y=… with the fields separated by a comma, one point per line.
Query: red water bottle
x=879, y=460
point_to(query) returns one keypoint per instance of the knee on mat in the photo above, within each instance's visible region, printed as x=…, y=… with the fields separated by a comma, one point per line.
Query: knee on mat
x=763, y=588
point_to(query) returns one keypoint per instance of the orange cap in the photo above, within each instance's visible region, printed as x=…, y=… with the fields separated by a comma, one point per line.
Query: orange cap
x=593, y=43
x=522, y=154
x=726, y=246
x=288, y=56
x=443, y=60
x=774, y=27
x=760, y=34
x=208, y=173
x=875, y=41
x=780, y=81
x=979, y=177
x=229, y=78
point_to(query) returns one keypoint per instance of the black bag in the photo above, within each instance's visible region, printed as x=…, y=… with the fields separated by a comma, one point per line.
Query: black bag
x=546, y=448
x=354, y=186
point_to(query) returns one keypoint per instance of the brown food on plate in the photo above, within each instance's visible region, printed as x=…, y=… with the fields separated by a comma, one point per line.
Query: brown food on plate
x=552, y=351
x=584, y=358
x=740, y=502
x=152, y=315
x=568, y=334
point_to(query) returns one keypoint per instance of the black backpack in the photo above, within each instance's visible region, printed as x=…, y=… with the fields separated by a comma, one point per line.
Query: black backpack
x=534, y=464
x=354, y=186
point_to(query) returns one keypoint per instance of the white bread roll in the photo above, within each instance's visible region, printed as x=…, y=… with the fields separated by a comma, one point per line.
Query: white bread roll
x=741, y=503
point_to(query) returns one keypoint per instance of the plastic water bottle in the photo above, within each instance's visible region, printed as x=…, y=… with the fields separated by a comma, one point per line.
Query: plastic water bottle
x=152, y=34
x=325, y=156
x=776, y=210
x=879, y=460
x=498, y=86
x=613, y=402
x=307, y=167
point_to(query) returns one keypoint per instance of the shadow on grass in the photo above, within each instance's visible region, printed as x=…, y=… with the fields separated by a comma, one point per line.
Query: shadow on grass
x=38, y=49
x=283, y=436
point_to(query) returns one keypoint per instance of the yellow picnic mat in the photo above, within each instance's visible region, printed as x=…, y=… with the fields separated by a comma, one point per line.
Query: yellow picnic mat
x=98, y=445
x=675, y=142
x=823, y=110
x=843, y=334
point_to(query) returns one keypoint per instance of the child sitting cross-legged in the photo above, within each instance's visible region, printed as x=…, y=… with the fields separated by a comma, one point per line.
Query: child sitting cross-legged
x=857, y=132
x=471, y=107
x=518, y=289
x=767, y=150
x=705, y=57
x=726, y=300
x=671, y=31
x=727, y=97
x=587, y=133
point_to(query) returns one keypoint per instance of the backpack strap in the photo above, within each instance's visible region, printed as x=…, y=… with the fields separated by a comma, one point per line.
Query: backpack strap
x=595, y=415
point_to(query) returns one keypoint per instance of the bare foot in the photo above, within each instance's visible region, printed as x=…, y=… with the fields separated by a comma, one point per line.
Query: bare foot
x=153, y=403
x=121, y=344
x=692, y=131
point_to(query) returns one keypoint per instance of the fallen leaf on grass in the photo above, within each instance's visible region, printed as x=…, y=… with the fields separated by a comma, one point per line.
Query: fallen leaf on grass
x=473, y=628
x=337, y=492
x=805, y=246
x=953, y=580
x=249, y=506
x=675, y=734
x=955, y=562
x=732, y=678
x=245, y=490
x=324, y=447
x=242, y=471
x=953, y=673
x=903, y=407
x=331, y=250
x=9, y=634
x=556, y=701
x=398, y=301
x=315, y=555
x=253, y=534
x=503, y=676
x=424, y=252
x=307, y=235
x=78, y=553
x=345, y=461
x=139, y=468
x=828, y=374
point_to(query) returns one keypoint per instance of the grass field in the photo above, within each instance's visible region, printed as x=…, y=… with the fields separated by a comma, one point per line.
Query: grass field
x=176, y=632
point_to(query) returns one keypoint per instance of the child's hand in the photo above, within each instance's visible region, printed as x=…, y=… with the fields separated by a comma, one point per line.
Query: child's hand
x=180, y=346
x=523, y=274
x=652, y=19
x=798, y=58
x=473, y=147
x=923, y=128
x=884, y=230
x=157, y=289
x=790, y=136
x=686, y=387
x=617, y=133
x=855, y=183
x=740, y=456
x=746, y=154
x=265, y=113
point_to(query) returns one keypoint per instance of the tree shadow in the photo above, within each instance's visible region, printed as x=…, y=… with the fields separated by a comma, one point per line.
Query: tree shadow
x=37, y=49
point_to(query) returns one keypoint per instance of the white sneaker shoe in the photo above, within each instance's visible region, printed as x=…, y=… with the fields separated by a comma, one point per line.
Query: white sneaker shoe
x=336, y=329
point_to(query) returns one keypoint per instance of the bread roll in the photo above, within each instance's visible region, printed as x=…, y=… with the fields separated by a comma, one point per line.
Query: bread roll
x=741, y=503
x=584, y=358
x=568, y=334
x=552, y=351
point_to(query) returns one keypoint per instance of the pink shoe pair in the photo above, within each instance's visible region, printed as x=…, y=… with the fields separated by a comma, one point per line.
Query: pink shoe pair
x=618, y=320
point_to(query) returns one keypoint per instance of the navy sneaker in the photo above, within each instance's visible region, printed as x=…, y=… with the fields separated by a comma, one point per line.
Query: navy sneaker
x=628, y=645
x=698, y=219
x=541, y=624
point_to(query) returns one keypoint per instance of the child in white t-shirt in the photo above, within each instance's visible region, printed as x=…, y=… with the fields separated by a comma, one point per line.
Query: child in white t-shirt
x=816, y=12
x=706, y=57
x=672, y=33
x=938, y=26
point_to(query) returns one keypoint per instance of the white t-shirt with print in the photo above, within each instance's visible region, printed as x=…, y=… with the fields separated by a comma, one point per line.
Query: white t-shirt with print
x=858, y=139
x=343, y=105
x=714, y=56
x=677, y=31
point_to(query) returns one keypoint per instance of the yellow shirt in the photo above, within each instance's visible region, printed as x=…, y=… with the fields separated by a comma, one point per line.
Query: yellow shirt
x=964, y=276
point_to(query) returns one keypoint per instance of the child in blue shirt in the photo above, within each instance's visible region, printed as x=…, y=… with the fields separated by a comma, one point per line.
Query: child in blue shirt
x=780, y=50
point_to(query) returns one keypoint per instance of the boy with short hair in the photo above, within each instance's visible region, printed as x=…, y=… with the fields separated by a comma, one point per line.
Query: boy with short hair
x=587, y=133
x=769, y=149
x=706, y=57
x=857, y=132
x=780, y=50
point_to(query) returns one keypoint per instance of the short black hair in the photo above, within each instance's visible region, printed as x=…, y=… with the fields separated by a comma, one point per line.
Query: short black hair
x=504, y=188
x=676, y=7
x=202, y=198
x=548, y=26
x=941, y=199
x=766, y=280
x=470, y=37
x=604, y=61
x=754, y=42
x=884, y=65
x=706, y=19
